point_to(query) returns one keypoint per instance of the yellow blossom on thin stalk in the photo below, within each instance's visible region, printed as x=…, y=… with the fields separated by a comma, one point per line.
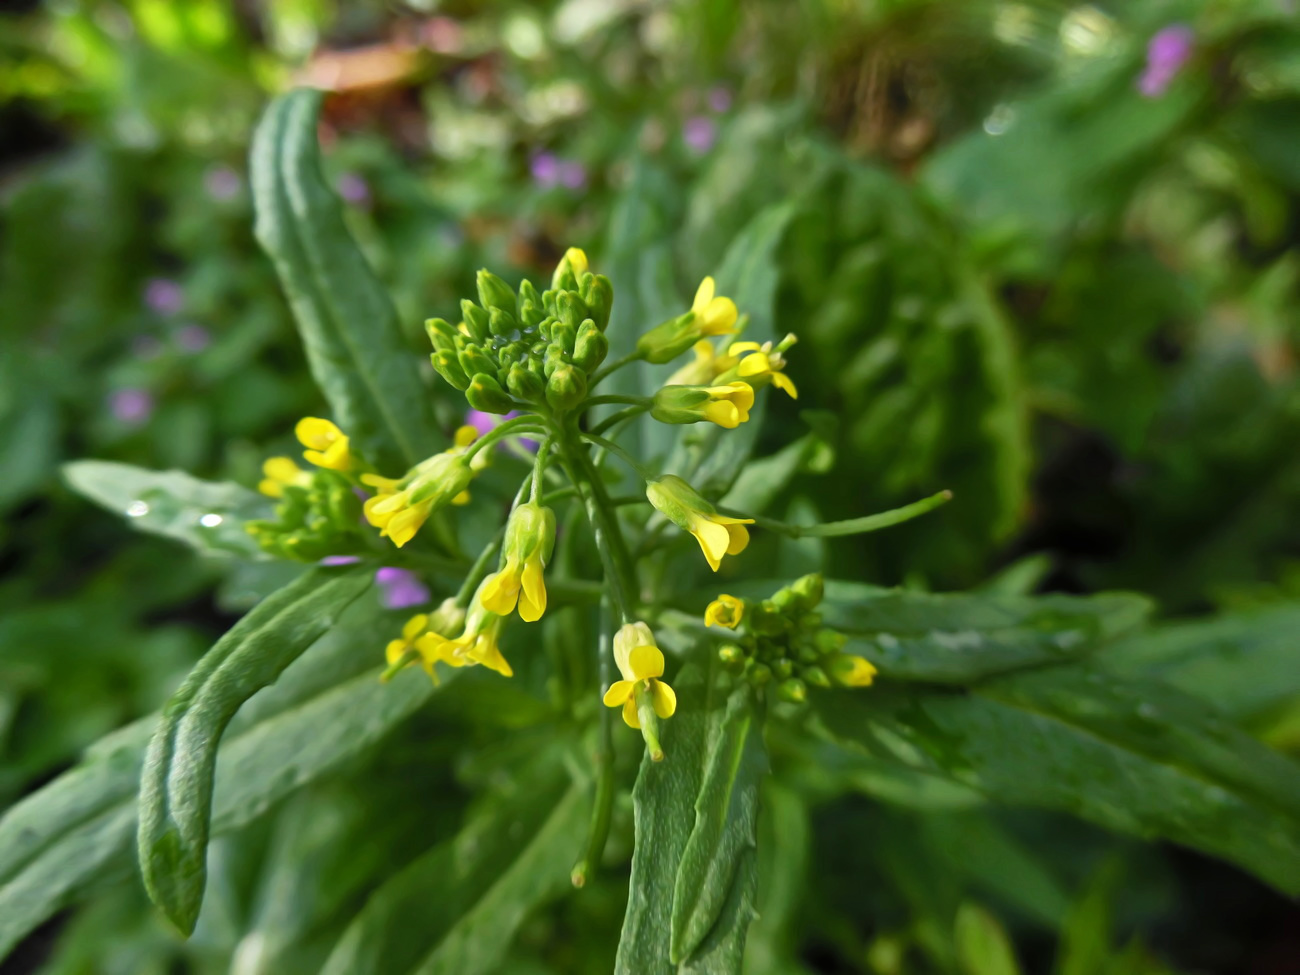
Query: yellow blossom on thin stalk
x=728, y=405
x=327, y=444
x=397, y=649
x=726, y=611
x=530, y=536
x=641, y=663
x=713, y=315
x=401, y=506
x=280, y=473
x=761, y=364
x=477, y=643
x=717, y=534
x=850, y=670
x=710, y=315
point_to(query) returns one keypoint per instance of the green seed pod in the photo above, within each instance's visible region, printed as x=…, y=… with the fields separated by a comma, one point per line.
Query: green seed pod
x=731, y=655
x=495, y=293
x=815, y=676
x=502, y=323
x=760, y=674
x=442, y=334
x=476, y=320
x=474, y=360
x=448, y=367
x=598, y=296
x=589, y=347
x=783, y=667
x=564, y=335
x=572, y=310
x=525, y=384
x=793, y=690
x=566, y=388
x=809, y=589
x=486, y=394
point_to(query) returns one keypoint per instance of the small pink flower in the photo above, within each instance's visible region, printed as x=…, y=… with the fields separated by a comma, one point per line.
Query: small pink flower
x=1168, y=51
x=545, y=169
x=400, y=588
x=354, y=189
x=131, y=406
x=573, y=175
x=720, y=98
x=340, y=560
x=222, y=183
x=699, y=134
x=164, y=296
x=193, y=338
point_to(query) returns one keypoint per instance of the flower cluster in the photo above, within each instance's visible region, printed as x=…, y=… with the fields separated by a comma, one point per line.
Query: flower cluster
x=782, y=639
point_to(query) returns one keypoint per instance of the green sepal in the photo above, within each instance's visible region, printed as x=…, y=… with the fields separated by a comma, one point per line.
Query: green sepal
x=447, y=365
x=501, y=322
x=476, y=320
x=442, y=334
x=524, y=383
x=590, y=347
x=667, y=340
x=474, y=361
x=485, y=393
x=493, y=292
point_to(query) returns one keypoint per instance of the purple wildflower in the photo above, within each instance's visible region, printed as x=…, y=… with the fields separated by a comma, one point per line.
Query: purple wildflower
x=164, y=296
x=193, y=338
x=340, y=560
x=222, y=183
x=1168, y=51
x=699, y=134
x=131, y=406
x=400, y=588
x=720, y=98
x=573, y=174
x=354, y=189
x=545, y=168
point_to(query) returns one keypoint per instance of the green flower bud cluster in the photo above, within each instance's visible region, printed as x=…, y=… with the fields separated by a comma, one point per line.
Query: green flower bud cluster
x=783, y=643
x=312, y=521
x=519, y=349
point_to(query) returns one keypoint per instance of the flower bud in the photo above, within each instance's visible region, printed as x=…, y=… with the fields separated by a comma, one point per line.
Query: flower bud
x=447, y=365
x=793, y=690
x=783, y=667
x=760, y=674
x=476, y=320
x=495, y=293
x=727, y=406
x=731, y=655
x=447, y=619
x=439, y=479
x=829, y=641
x=572, y=265
x=564, y=336
x=725, y=611
x=850, y=670
x=526, y=385
x=474, y=360
x=667, y=340
x=572, y=310
x=717, y=534
x=598, y=296
x=567, y=387
x=590, y=347
x=502, y=323
x=442, y=334
x=809, y=590
x=485, y=393
x=815, y=676
x=531, y=308
x=553, y=358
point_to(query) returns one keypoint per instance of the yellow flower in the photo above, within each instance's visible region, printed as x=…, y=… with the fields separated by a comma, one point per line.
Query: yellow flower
x=281, y=472
x=725, y=611
x=713, y=315
x=641, y=663
x=717, y=534
x=850, y=670
x=575, y=261
x=761, y=364
x=401, y=506
x=530, y=536
x=477, y=643
x=728, y=406
x=328, y=446
x=411, y=633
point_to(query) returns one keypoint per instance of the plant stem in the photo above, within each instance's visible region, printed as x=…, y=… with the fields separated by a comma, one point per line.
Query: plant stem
x=616, y=418
x=602, y=809
x=614, y=366
x=641, y=401
x=622, y=454
x=519, y=424
x=853, y=526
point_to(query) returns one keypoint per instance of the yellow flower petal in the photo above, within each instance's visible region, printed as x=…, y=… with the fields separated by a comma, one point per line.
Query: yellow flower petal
x=754, y=364
x=723, y=413
x=737, y=538
x=619, y=692
x=630, y=717
x=415, y=626
x=663, y=698
x=714, y=540
x=316, y=433
x=736, y=348
x=500, y=591
x=532, y=601
x=703, y=295
x=646, y=662
x=271, y=488
x=782, y=382
x=465, y=436
x=394, y=651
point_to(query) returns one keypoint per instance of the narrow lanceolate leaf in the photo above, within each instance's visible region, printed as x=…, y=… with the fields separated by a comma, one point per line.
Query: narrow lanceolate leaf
x=958, y=638
x=78, y=831
x=1131, y=756
x=206, y=515
x=176, y=787
x=694, y=869
x=348, y=324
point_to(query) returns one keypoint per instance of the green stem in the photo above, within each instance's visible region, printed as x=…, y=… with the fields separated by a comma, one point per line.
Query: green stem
x=519, y=424
x=603, y=808
x=616, y=418
x=539, y=470
x=642, y=401
x=622, y=454
x=479, y=569
x=853, y=526
x=613, y=367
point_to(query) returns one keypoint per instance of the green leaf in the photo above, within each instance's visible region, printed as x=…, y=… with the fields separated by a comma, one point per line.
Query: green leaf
x=958, y=638
x=176, y=787
x=1086, y=935
x=208, y=516
x=479, y=939
x=67, y=837
x=1134, y=757
x=983, y=947
x=760, y=481
x=694, y=868
x=1244, y=663
x=348, y=324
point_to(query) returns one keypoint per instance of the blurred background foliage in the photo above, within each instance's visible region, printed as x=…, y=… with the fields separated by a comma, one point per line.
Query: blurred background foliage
x=1013, y=273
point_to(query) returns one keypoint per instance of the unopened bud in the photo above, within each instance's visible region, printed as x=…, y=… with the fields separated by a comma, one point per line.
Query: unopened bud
x=442, y=334
x=815, y=676
x=760, y=674
x=474, y=360
x=598, y=296
x=783, y=667
x=731, y=655
x=566, y=388
x=524, y=384
x=502, y=323
x=448, y=367
x=493, y=292
x=485, y=393
x=590, y=347
x=476, y=320
x=793, y=690
x=810, y=589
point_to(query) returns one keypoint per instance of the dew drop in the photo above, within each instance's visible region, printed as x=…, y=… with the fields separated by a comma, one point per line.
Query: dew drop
x=1000, y=119
x=137, y=509
x=211, y=520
